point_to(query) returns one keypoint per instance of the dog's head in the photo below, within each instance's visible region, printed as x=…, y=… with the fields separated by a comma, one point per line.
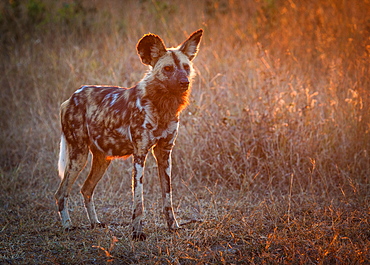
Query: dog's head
x=172, y=67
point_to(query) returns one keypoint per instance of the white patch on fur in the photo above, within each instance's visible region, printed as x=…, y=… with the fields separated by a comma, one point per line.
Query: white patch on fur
x=62, y=156
x=168, y=170
x=129, y=133
x=170, y=130
x=95, y=141
x=113, y=99
x=149, y=118
x=138, y=104
x=75, y=100
x=80, y=89
x=124, y=131
x=139, y=186
x=64, y=215
x=139, y=170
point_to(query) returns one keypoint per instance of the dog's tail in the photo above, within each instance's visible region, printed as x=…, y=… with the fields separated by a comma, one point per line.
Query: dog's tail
x=62, y=156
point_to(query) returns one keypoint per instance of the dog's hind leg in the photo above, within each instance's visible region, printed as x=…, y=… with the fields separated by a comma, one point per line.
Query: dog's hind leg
x=98, y=167
x=75, y=160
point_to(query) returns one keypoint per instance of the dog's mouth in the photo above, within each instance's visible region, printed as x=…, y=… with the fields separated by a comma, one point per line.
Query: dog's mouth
x=179, y=90
x=184, y=86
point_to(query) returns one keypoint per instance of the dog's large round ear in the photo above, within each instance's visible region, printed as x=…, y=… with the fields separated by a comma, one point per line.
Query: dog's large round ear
x=150, y=48
x=191, y=45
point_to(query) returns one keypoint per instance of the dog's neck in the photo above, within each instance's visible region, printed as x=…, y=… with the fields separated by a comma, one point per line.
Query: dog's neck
x=167, y=103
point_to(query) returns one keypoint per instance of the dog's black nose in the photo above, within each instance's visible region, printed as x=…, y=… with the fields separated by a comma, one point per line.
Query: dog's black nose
x=184, y=83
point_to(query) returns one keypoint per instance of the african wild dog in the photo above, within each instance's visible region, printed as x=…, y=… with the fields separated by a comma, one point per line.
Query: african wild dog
x=115, y=122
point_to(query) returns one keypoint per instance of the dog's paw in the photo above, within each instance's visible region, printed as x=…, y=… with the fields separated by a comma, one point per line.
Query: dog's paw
x=138, y=236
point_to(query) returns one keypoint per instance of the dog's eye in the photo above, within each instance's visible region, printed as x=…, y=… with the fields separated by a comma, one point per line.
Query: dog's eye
x=186, y=67
x=168, y=68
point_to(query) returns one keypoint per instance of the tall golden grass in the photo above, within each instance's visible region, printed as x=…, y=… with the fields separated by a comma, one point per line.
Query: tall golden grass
x=273, y=151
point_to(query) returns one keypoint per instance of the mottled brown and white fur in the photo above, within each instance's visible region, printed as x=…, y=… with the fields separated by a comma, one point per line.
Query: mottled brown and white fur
x=113, y=122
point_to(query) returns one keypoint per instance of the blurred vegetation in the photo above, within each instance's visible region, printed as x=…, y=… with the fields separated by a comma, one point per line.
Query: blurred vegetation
x=280, y=109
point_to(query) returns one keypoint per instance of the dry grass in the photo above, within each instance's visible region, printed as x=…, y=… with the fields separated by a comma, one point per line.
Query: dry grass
x=272, y=159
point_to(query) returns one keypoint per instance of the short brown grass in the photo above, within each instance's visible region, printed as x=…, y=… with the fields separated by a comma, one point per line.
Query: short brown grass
x=272, y=161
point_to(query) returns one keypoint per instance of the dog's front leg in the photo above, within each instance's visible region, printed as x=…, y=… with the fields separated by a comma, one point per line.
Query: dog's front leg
x=138, y=202
x=162, y=152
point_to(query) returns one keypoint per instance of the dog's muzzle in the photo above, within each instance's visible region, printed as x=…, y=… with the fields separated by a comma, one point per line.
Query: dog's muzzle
x=184, y=84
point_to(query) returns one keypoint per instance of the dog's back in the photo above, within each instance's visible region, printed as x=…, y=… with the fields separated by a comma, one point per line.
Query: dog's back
x=100, y=116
